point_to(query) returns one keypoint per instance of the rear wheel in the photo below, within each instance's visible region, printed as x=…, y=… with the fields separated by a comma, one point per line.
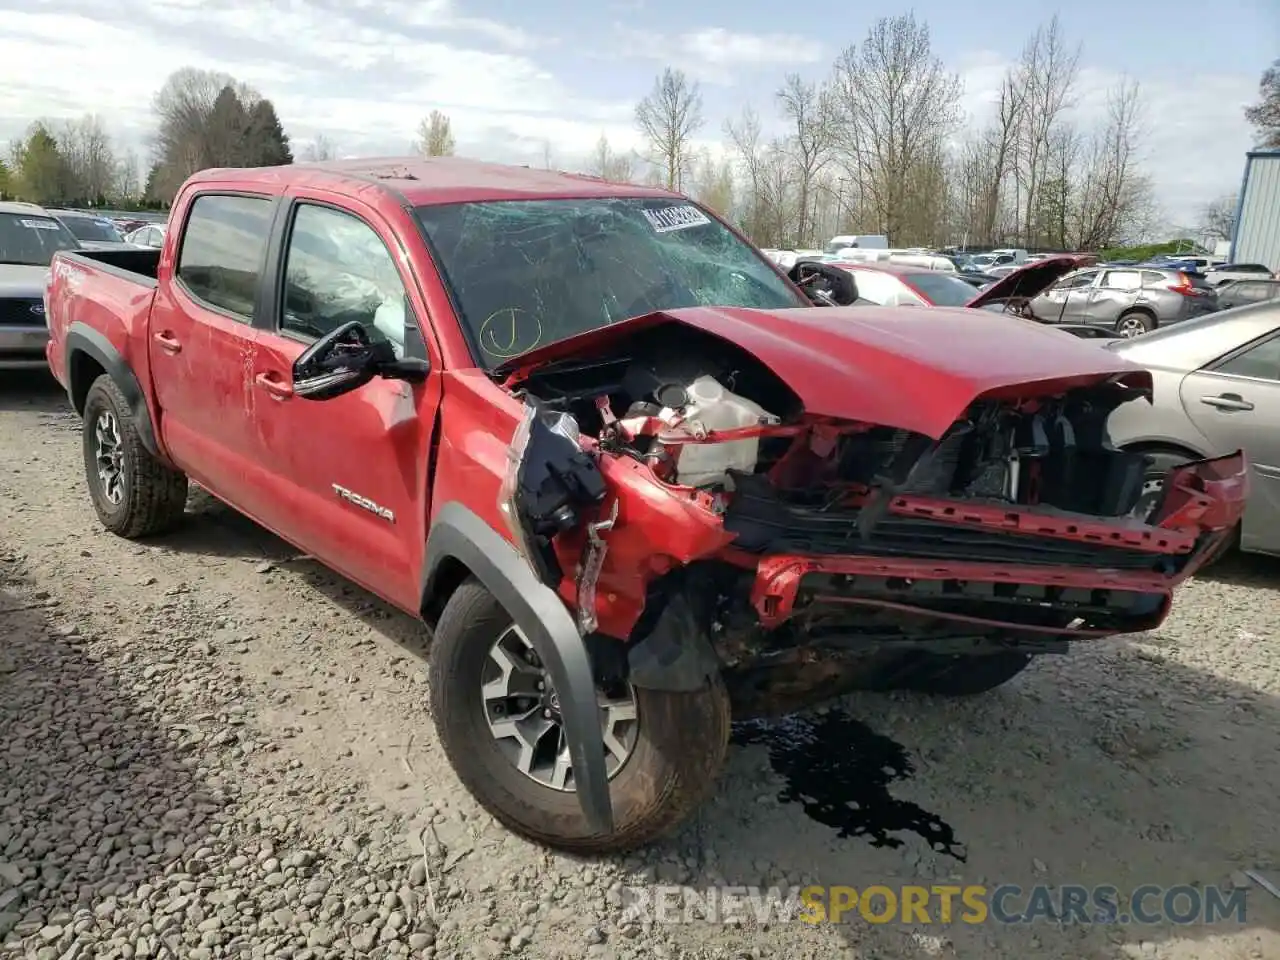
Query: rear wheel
x=133, y=493
x=498, y=719
x=1135, y=323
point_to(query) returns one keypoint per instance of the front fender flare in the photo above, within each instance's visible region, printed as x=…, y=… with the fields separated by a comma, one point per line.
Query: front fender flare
x=82, y=338
x=458, y=533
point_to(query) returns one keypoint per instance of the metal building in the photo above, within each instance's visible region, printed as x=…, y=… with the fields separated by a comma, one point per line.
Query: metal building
x=1257, y=236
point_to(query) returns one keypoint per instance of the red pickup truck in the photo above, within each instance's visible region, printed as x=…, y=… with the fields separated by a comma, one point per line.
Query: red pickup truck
x=634, y=477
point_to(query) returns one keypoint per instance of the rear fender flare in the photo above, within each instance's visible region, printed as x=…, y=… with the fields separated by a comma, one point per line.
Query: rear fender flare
x=457, y=533
x=81, y=338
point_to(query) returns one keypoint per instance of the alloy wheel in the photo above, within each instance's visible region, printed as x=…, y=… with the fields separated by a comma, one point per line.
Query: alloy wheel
x=523, y=713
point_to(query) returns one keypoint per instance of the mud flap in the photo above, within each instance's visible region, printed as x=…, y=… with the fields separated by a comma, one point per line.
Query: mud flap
x=460, y=534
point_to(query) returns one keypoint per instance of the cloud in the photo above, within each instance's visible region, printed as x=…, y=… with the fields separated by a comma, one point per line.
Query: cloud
x=1194, y=135
x=363, y=72
x=716, y=55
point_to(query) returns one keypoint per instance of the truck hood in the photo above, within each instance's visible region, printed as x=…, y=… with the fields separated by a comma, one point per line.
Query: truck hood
x=22, y=280
x=1028, y=281
x=914, y=370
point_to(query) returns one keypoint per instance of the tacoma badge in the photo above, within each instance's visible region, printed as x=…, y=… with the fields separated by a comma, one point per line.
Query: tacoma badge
x=365, y=503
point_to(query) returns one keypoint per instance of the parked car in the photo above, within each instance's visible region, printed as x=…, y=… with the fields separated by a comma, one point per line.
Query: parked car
x=29, y=237
x=1128, y=300
x=93, y=232
x=151, y=235
x=1224, y=272
x=1237, y=293
x=893, y=285
x=1216, y=387
x=471, y=405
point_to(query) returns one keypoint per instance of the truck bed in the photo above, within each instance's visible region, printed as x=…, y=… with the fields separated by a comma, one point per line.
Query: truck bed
x=136, y=265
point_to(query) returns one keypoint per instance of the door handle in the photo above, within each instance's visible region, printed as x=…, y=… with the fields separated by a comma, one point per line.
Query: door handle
x=1228, y=401
x=274, y=386
x=168, y=342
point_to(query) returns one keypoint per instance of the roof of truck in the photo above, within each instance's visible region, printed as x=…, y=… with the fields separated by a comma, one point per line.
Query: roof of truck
x=431, y=180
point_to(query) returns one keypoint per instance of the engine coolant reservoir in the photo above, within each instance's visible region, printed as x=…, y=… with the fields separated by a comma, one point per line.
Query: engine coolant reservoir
x=711, y=407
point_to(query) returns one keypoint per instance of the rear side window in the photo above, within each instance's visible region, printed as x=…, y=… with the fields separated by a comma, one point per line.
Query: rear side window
x=1152, y=279
x=1122, y=280
x=222, y=251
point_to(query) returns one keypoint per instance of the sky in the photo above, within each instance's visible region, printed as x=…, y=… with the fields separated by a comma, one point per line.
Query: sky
x=521, y=79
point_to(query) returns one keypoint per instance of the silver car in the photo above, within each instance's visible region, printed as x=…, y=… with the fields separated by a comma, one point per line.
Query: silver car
x=1217, y=390
x=29, y=237
x=1128, y=300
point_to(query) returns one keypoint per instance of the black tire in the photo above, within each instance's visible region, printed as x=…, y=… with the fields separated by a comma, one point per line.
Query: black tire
x=151, y=496
x=1131, y=319
x=964, y=676
x=682, y=740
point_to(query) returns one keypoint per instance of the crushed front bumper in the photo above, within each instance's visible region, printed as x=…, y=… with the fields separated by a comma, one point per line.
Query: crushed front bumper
x=1200, y=505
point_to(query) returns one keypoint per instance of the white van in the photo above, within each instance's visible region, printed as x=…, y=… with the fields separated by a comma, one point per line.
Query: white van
x=864, y=241
x=1019, y=255
x=907, y=258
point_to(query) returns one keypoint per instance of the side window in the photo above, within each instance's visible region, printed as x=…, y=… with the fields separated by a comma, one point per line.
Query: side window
x=337, y=269
x=1076, y=282
x=1122, y=280
x=1152, y=279
x=222, y=248
x=1261, y=362
x=1251, y=292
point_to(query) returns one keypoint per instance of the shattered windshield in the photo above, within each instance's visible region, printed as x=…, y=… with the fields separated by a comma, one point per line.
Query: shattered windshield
x=528, y=273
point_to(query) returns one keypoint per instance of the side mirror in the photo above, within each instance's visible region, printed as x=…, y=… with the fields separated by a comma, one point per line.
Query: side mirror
x=823, y=284
x=346, y=359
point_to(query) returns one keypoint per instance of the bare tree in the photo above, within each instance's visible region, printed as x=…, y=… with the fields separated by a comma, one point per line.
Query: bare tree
x=1265, y=114
x=128, y=182
x=993, y=157
x=90, y=163
x=204, y=120
x=1047, y=74
x=1218, y=218
x=606, y=163
x=1114, y=195
x=896, y=104
x=713, y=183
x=320, y=148
x=548, y=156
x=435, y=136
x=668, y=118
x=808, y=108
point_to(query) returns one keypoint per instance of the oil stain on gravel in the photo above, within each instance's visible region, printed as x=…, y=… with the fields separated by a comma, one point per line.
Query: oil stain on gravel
x=839, y=770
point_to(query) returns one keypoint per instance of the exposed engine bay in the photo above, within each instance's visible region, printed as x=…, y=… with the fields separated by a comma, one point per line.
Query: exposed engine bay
x=844, y=510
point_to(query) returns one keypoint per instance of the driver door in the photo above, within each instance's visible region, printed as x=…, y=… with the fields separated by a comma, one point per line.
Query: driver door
x=351, y=471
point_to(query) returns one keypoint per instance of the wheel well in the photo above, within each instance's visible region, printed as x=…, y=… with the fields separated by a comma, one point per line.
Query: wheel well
x=1156, y=446
x=449, y=576
x=1145, y=311
x=84, y=370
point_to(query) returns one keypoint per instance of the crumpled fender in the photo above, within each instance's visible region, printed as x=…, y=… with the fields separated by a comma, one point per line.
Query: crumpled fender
x=460, y=534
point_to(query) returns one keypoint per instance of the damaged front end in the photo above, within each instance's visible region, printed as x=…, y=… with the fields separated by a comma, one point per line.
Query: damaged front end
x=683, y=500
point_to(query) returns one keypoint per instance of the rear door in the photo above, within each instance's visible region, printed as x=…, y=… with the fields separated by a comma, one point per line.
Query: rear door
x=203, y=342
x=351, y=472
x=1235, y=401
x=1116, y=292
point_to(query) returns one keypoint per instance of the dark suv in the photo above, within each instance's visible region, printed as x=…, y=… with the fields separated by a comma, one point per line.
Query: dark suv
x=1129, y=300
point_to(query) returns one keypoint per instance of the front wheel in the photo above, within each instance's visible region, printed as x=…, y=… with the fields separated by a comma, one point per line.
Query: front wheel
x=133, y=493
x=498, y=719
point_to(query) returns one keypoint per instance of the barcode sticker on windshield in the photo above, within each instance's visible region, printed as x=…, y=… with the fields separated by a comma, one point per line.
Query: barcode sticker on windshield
x=40, y=224
x=675, y=218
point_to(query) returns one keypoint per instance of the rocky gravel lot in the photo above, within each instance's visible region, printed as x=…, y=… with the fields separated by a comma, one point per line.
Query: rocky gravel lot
x=211, y=747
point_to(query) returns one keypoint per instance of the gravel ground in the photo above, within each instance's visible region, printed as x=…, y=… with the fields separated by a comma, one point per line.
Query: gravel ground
x=211, y=747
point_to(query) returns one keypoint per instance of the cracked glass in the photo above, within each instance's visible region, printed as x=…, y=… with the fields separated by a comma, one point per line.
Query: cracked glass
x=526, y=273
